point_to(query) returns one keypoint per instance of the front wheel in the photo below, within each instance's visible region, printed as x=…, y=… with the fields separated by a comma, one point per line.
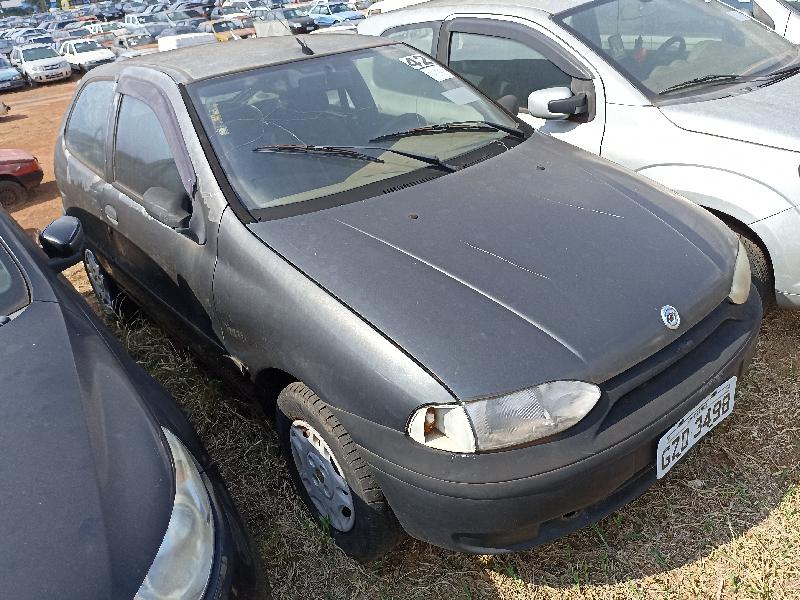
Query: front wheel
x=760, y=270
x=332, y=478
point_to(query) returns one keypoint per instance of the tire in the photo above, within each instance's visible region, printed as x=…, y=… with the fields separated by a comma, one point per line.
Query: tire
x=113, y=301
x=760, y=269
x=373, y=529
x=11, y=193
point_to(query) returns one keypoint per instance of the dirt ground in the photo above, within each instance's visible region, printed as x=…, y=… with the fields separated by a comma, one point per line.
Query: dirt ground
x=724, y=524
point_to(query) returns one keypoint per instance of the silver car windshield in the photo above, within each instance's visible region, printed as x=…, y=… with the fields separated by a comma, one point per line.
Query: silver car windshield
x=256, y=121
x=39, y=53
x=87, y=46
x=661, y=44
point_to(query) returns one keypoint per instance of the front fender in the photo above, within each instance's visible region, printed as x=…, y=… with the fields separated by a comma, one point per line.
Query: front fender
x=745, y=199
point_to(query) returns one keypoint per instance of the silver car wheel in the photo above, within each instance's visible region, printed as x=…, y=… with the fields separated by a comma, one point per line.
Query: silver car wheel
x=321, y=476
x=97, y=278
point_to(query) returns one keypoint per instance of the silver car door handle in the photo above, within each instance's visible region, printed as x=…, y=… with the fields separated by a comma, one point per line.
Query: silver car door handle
x=111, y=213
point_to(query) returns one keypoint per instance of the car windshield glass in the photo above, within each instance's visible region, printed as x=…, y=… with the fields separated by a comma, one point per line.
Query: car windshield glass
x=42, y=40
x=38, y=53
x=79, y=33
x=661, y=44
x=339, y=8
x=13, y=291
x=139, y=41
x=348, y=99
x=87, y=46
x=229, y=10
x=4, y=64
x=293, y=13
x=156, y=18
x=223, y=26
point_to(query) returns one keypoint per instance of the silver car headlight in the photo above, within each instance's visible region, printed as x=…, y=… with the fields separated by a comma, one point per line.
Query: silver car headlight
x=503, y=421
x=740, y=288
x=182, y=566
x=35, y=69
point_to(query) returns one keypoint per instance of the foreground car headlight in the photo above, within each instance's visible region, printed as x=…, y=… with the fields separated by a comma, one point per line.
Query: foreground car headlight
x=183, y=563
x=504, y=421
x=740, y=288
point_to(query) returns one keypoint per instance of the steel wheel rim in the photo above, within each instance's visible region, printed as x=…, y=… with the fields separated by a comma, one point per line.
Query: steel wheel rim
x=321, y=476
x=98, y=280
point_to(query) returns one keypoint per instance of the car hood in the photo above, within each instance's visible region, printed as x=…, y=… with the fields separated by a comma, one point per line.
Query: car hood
x=94, y=55
x=504, y=275
x=759, y=116
x=7, y=73
x=301, y=20
x=45, y=62
x=87, y=482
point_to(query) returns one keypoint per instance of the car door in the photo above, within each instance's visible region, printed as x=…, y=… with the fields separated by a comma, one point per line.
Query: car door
x=66, y=52
x=159, y=234
x=504, y=57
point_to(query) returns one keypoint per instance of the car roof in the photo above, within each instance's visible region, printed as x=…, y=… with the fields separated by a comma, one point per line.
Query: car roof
x=29, y=46
x=189, y=64
x=550, y=7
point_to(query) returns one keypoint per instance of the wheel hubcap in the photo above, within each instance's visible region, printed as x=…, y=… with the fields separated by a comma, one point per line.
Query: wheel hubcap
x=98, y=280
x=321, y=476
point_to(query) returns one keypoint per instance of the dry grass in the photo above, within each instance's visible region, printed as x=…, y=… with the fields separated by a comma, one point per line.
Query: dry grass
x=724, y=524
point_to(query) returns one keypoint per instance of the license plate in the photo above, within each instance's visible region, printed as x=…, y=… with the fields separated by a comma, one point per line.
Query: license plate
x=674, y=444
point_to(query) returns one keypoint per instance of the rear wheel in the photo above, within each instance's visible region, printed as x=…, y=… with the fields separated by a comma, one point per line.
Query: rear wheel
x=332, y=478
x=11, y=193
x=112, y=300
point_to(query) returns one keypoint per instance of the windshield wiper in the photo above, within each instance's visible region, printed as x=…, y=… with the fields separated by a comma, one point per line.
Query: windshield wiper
x=352, y=152
x=450, y=128
x=705, y=80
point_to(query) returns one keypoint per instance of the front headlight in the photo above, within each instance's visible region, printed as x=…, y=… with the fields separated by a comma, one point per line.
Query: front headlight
x=35, y=69
x=182, y=566
x=740, y=288
x=503, y=421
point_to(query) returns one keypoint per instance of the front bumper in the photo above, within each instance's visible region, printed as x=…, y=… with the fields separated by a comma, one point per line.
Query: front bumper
x=519, y=498
x=12, y=84
x=54, y=75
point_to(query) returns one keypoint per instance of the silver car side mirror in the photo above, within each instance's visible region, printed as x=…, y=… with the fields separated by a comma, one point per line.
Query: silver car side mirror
x=556, y=103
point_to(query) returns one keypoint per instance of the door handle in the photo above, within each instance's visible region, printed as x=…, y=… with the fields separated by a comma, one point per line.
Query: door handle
x=111, y=214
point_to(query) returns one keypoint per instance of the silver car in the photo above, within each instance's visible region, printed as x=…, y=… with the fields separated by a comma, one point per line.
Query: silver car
x=695, y=95
x=781, y=15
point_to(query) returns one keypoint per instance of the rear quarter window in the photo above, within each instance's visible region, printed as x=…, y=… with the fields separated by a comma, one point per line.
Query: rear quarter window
x=87, y=128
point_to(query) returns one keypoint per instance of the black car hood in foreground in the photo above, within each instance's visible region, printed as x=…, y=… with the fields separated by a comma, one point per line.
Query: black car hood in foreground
x=505, y=275
x=87, y=484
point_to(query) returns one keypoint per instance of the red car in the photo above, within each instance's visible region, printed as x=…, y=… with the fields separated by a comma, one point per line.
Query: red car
x=19, y=172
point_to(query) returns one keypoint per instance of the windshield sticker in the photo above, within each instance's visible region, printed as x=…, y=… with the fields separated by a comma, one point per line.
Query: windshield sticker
x=460, y=95
x=427, y=65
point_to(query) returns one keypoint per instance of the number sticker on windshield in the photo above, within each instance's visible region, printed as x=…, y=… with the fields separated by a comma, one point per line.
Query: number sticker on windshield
x=427, y=65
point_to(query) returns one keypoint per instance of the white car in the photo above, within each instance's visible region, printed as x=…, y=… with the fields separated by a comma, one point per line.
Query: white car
x=384, y=6
x=39, y=63
x=695, y=95
x=83, y=54
x=105, y=27
x=244, y=6
x=781, y=15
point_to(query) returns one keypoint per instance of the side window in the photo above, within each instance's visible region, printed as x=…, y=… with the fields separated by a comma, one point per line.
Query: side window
x=87, y=128
x=142, y=158
x=501, y=66
x=420, y=36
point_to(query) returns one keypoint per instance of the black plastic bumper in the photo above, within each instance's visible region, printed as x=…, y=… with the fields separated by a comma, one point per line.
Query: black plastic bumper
x=484, y=504
x=32, y=179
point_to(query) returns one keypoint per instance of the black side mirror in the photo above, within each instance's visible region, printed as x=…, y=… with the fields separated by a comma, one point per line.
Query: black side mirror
x=62, y=241
x=171, y=208
x=510, y=103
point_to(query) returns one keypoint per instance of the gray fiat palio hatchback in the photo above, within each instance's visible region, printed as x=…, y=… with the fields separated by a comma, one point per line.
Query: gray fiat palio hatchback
x=471, y=332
